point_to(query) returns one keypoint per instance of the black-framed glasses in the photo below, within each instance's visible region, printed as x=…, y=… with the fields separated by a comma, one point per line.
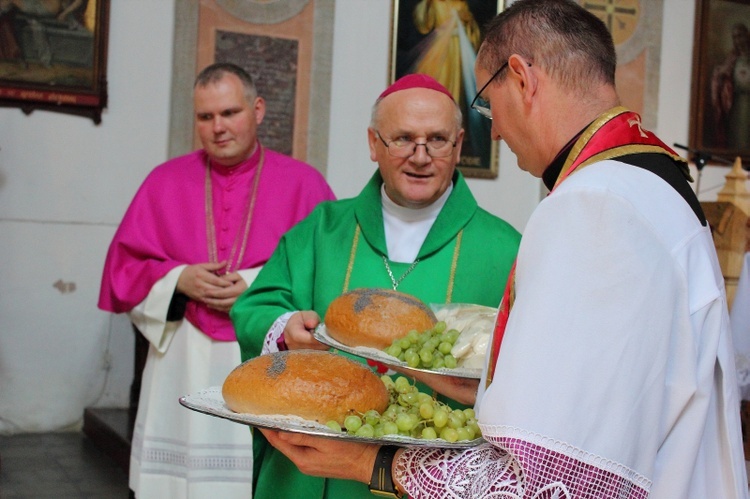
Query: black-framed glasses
x=479, y=104
x=401, y=148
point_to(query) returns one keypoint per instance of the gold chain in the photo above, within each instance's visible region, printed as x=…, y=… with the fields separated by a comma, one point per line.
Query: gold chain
x=451, y=277
x=213, y=255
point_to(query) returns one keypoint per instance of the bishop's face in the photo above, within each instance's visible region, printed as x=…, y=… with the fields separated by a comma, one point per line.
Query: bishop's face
x=419, y=115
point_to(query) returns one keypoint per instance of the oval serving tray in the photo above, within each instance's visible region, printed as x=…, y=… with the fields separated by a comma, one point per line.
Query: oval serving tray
x=322, y=336
x=210, y=401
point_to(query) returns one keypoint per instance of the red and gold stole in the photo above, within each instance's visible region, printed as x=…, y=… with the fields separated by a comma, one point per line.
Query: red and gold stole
x=615, y=133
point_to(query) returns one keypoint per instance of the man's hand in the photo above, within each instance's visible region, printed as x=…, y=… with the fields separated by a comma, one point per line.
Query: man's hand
x=223, y=298
x=326, y=457
x=298, y=331
x=201, y=283
x=462, y=390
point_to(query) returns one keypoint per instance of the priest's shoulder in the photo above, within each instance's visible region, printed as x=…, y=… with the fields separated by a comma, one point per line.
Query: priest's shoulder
x=193, y=162
x=330, y=215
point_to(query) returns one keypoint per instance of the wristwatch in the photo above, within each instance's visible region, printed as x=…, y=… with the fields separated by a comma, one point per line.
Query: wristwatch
x=381, y=483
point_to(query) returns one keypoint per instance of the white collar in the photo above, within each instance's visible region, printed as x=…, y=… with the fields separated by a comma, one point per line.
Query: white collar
x=414, y=214
x=406, y=228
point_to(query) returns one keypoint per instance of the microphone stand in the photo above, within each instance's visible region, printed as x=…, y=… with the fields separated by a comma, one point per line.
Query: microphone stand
x=701, y=158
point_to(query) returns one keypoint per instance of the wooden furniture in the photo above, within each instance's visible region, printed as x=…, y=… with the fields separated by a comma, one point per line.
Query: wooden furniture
x=728, y=217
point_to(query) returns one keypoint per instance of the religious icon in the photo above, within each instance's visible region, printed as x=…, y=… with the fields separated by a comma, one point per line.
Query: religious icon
x=720, y=104
x=620, y=16
x=440, y=38
x=635, y=26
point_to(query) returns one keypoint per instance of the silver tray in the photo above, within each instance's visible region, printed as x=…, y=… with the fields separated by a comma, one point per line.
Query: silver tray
x=321, y=334
x=210, y=401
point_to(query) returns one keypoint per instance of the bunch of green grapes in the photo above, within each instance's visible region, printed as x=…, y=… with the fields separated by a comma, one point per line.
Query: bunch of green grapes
x=413, y=414
x=429, y=349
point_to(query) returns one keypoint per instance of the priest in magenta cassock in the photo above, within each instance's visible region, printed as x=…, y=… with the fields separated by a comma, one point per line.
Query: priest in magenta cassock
x=194, y=237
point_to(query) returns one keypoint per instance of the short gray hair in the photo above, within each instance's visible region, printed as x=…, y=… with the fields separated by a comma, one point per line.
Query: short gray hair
x=375, y=114
x=216, y=71
x=570, y=43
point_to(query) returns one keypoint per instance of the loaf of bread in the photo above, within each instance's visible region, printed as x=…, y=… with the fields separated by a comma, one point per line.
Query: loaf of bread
x=315, y=385
x=372, y=317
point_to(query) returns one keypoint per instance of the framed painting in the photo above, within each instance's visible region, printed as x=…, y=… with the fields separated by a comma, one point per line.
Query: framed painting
x=53, y=56
x=422, y=41
x=720, y=91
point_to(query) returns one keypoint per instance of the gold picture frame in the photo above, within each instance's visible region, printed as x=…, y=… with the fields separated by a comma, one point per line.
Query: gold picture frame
x=53, y=57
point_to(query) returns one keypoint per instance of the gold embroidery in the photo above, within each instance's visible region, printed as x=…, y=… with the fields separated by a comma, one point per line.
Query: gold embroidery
x=352, y=253
x=583, y=140
x=454, y=263
x=451, y=278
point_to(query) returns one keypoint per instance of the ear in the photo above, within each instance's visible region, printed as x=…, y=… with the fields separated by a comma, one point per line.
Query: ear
x=259, y=106
x=523, y=75
x=372, y=140
x=459, y=143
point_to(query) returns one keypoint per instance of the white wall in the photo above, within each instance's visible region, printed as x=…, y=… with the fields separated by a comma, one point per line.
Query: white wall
x=65, y=183
x=64, y=186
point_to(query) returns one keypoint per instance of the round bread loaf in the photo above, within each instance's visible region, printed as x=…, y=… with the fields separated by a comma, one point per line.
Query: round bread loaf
x=372, y=317
x=316, y=385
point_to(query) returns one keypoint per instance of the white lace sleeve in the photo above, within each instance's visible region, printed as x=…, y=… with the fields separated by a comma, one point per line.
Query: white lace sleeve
x=442, y=473
x=510, y=468
x=274, y=333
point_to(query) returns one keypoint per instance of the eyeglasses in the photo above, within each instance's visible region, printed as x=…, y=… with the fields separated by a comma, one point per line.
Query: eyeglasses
x=479, y=104
x=401, y=148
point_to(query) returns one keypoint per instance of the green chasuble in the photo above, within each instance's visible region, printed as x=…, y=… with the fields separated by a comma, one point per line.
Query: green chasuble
x=465, y=258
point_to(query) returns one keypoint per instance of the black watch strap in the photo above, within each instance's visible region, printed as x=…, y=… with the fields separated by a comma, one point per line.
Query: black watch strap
x=381, y=482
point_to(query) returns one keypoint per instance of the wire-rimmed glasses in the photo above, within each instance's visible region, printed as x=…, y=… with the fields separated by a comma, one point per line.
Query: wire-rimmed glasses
x=402, y=148
x=479, y=104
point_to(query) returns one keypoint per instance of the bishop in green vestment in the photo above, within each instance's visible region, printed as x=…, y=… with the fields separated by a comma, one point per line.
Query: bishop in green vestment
x=415, y=227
